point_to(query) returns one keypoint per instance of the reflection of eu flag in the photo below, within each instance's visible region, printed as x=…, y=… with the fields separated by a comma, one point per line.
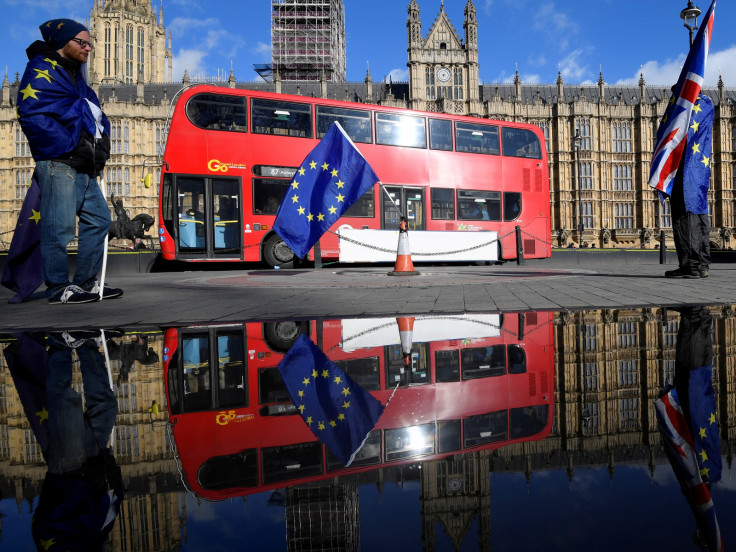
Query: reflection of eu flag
x=693, y=448
x=331, y=178
x=337, y=410
x=26, y=358
x=23, y=271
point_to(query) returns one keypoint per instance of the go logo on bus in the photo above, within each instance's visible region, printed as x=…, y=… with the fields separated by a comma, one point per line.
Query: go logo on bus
x=215, y=165
x=227, y=417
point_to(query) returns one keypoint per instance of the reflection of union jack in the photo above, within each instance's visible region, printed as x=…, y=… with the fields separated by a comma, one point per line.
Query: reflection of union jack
x=681, y=450
x=673, y=127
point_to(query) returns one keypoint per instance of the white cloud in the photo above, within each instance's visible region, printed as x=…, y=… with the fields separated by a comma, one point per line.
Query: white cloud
x=191, y=60
x=571, y=68
x=555, y=25
x=666, y=73
x=263, y=49
x=399, y=75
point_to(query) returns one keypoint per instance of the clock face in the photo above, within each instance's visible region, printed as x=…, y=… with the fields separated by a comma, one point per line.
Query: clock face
x=443, y=74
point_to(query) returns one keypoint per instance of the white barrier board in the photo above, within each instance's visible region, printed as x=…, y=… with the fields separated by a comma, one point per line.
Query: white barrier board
x=365, y=333
x=443, y=246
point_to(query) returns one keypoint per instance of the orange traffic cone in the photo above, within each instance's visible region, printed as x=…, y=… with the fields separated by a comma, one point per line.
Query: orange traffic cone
x=406, y=334
x=403, y=266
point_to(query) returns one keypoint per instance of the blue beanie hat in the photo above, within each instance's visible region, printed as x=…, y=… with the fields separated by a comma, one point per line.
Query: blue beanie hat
x=57, y=32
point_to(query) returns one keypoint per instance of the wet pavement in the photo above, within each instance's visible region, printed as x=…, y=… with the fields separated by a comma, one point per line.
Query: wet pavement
x=503, y=408
x=176, y=298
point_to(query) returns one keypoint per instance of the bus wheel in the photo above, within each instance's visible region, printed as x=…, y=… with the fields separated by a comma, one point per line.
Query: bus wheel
x=277, y=253
x=280, y=336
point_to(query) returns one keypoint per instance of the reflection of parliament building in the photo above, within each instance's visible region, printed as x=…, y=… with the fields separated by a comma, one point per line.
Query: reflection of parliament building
x=131, y=69
x=610, y=365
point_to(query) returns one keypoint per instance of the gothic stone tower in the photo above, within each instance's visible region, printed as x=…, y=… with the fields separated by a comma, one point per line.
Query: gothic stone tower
x=130, y=43
x=443, y=70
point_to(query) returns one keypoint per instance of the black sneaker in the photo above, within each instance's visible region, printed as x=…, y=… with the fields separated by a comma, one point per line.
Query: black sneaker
x=73, y=339
x=108, y=292
x=73, y=294
x=682, y=273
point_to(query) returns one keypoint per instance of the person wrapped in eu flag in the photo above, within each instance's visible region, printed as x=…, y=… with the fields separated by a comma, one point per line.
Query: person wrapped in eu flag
x=330, y=179
x=337, y=410
x=69, y=138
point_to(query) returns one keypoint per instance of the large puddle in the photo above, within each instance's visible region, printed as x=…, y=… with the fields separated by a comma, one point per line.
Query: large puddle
x=523, y=431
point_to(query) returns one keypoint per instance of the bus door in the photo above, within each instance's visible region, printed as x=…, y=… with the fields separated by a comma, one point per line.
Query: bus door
x=405, y=201
x=209, y=217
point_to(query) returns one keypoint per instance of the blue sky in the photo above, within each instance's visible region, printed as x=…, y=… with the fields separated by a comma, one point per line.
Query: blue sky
x=580, y=38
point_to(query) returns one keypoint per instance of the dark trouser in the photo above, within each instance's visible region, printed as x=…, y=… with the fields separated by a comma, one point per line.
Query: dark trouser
x=692, y=233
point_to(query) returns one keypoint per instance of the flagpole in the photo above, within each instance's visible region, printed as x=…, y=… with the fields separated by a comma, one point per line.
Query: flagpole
x=401, y=214
x=109, y=377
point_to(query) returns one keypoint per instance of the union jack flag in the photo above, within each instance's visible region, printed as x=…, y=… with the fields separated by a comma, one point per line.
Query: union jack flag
x=672, y=131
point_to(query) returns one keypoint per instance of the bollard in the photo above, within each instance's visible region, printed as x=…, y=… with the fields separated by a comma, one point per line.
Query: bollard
x=519, y=247
x=662, y=249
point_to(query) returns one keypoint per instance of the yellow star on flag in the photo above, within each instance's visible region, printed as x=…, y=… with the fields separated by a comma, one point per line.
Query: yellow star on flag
x=697, y=108
x=340, y=184
x=696, y=148
x=43, y=415
x=53, y=62
x=325, y=374
x=712, y=418
x=334, y=172
x=295, y=185
x=333, y=423
x=346, y=404
x=29, y=92
x=705, y=161
x=703, y=433
x=333, y=210
x=310, y=217
x=325, y=166
x=43, y=74
x=340, y=198
x=703, y=455
x=345, y=391
x=47, y=543
x=695, y=126
x=313, y=165
x=320, y=217
x=321, y=426
x=295, y=199
x=36, y=216
x=305, y=381
x=300, y=210
x=302, y=172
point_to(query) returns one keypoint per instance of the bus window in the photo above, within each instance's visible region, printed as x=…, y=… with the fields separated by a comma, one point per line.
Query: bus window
x=271, y=388
x=474, y=138
x=356, y=123
x=440, y=134
x=478, y=205
x=368, y=455
x=449, y=435
x=226, y=196
x=282, y=118
x=231, y=370
x=486, y=428
x=217, y=112
x=418, y=372
x=363, y=371
x=405, y=442
x=529, y=420
x=443, y=203
x=365, y=206
x=233, y=470
x=191, y=212
x=291, y=462
x=197, y=383
x=483, y=362
x=447, y=366
x=520, y=142
x=517, y=359
x=511, y=206
x=268, y=194
x=400, y=130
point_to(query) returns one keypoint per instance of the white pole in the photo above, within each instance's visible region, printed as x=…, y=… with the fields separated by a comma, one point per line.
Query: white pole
x=101, y=181
x=109, y=376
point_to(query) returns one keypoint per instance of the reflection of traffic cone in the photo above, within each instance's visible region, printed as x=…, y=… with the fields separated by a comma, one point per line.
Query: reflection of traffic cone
x=403, y=266
x=406, y=334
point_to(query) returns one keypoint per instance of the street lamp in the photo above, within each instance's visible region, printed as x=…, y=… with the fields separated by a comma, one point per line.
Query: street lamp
x=577, y=141
x=690, y=16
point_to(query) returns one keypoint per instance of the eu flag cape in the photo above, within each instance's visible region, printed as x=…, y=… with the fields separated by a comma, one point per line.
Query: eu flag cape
x=696, y=166
x=330, y=179
x=339, y=412
x=672, y=131
x=23, y=271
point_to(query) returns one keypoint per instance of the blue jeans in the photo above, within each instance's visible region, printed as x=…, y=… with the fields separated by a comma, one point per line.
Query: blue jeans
x=66, y=195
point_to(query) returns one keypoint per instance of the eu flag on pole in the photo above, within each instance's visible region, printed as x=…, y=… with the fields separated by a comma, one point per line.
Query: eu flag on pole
x=672, y=131
x=339, y=412
x=690, y=447
x=697, y=165
x=330, y=179
x=23, y=271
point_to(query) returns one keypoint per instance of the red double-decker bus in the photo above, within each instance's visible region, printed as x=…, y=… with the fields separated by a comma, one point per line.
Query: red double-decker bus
x=464, y=184
x=488, y=383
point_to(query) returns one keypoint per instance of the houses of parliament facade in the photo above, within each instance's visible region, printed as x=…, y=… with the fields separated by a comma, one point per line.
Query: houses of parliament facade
x=599, y=138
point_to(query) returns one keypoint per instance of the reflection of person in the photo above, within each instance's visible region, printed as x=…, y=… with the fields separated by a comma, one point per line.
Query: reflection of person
x=83, y=489
x=686, y=415
x=69, y=138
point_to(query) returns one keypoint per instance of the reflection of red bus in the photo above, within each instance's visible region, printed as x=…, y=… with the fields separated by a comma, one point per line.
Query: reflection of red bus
x=237, y=432
x=230, y=156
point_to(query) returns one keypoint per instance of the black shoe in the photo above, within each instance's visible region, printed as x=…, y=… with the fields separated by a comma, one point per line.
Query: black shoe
x=703, y=272
x=108, y=293
x=682, y=273
x=73, y=294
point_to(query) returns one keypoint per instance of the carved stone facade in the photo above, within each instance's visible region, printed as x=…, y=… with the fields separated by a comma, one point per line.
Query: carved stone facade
x=600, y=184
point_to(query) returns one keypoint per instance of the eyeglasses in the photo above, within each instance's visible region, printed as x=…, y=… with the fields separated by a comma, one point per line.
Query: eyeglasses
x=83, y=43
